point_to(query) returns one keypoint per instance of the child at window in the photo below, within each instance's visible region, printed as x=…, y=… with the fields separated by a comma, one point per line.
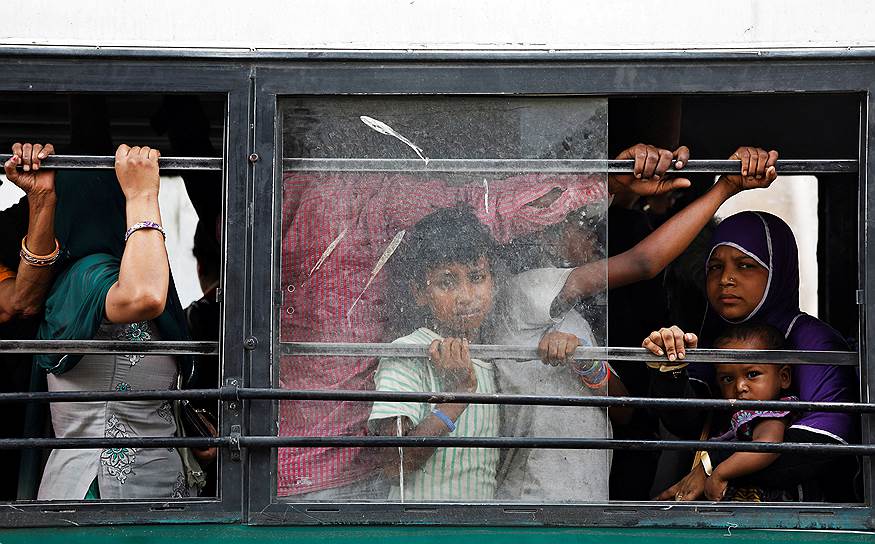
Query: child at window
x=446, y=265
x=751, y=381
x=444, y=281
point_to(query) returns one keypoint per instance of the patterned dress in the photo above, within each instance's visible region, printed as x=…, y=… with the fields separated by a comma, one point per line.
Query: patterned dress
x=121, y=473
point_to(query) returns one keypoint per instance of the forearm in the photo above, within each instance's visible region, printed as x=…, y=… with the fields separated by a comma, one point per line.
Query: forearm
x=144, y=273
x=741, y=464
x=7, y=293
x=665, y=244
x=620, y=415
x=32, y=282
x=415, y=458
x=676, y=385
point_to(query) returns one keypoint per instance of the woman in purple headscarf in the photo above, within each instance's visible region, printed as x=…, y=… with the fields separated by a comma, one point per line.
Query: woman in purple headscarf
x=752, y=274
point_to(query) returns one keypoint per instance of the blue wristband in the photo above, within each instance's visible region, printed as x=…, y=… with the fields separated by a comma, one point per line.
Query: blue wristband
x=451, y=425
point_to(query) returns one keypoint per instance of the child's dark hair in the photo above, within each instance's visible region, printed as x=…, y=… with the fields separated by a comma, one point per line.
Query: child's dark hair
x=449, y=235
x=767, y=334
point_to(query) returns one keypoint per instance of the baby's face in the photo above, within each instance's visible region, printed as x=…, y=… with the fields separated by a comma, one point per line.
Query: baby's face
x=459, y=296
x=751, y=381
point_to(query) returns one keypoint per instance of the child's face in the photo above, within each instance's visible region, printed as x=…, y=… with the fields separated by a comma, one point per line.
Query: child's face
x=459, y=295
x=735, y=283
x=751, y=381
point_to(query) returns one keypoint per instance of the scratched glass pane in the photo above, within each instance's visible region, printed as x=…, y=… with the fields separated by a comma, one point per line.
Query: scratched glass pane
x=460, y=225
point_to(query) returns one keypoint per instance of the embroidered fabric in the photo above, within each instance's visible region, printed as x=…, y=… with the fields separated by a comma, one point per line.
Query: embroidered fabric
x=741, y=423
x=122, y=473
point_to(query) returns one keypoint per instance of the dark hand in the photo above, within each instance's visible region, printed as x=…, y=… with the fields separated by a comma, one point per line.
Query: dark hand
x=648, y=177
x=670, y=342
x=757, y=169
x=30, y=179
x=690, y=488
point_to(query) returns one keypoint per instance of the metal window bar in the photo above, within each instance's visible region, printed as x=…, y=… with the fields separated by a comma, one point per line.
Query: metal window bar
x=104, y=347
x=236, y=393
x=232, y=393
x=554, y=166
x=94, y=162
x=483, y=351
x=430, y=441
x=526, y=353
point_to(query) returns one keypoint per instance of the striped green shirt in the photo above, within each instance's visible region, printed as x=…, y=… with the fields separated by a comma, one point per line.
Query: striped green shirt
x=453, y=474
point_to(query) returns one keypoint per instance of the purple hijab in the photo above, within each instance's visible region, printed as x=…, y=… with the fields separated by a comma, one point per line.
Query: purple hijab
x=768, y=240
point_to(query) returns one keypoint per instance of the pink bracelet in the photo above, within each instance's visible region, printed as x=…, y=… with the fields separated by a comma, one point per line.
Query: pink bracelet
x=144, y=225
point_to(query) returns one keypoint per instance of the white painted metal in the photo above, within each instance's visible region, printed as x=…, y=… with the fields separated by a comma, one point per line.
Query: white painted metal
x=444, y=24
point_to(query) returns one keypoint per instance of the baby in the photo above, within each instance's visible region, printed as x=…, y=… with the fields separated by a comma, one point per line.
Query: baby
x=750, y=381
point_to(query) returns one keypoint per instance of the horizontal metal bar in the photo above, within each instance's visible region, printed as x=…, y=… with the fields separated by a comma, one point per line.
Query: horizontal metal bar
x=542, y=400
x=547, y=443
x=127, y=442
x=552, y=166
x=237, y=394
x=430, y=441
x=93, y=162
x=499, y=55
x=525, y=353
x=103, y=347
x=225, y=393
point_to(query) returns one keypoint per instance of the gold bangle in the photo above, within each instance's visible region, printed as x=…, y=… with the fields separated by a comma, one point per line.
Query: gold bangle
x=39, y=260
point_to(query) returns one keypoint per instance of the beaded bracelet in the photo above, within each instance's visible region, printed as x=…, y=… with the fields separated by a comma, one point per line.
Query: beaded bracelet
x=39, y=261
x=144, y=225
x=451, y=425
x=595, y=375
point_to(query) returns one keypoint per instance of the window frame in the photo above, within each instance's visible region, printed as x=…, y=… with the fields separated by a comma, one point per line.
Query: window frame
x=34, y=71
x=608, y=75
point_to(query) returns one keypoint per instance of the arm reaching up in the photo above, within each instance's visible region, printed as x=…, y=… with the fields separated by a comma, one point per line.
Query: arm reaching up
x=144, y=276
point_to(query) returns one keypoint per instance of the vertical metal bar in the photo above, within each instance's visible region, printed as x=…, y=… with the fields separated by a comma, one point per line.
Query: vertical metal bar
x=866, y=283
x=234, y=303
x=265, y=193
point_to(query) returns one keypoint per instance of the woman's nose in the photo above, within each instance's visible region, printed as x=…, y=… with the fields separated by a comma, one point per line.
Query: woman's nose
x=727, y=277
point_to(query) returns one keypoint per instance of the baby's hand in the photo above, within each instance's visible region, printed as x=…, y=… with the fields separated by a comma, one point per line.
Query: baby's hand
x=556, y=348
x=715, y=487
x=670, y=342
x=452, y=361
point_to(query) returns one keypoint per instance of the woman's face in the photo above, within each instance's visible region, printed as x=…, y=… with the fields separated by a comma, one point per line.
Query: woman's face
x=735, y=283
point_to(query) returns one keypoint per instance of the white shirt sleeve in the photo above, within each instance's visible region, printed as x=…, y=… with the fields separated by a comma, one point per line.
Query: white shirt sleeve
x=529, y=297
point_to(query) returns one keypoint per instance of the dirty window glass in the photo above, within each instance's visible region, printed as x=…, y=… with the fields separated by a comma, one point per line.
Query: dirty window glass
x=438, y=226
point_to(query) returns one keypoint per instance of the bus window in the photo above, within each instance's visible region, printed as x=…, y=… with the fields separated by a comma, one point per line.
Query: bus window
x=89, y=223
x=357, y=175
x=452, y=223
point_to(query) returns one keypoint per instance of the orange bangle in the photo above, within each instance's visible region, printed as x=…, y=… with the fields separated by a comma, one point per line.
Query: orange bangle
x=39, y=260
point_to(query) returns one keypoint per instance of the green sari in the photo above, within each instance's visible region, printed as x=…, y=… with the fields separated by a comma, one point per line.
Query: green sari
x=89, y=225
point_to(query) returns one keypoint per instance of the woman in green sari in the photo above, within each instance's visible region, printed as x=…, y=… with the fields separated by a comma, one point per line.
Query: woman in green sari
x=113, y=283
